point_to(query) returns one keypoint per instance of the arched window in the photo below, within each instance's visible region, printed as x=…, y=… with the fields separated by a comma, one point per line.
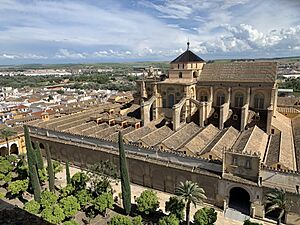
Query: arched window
x=178, y=66
x=238, y=100
x=259, y=101
x=180, y=74
x=171, y=100
x=203, y=96
x=182, y=66
x=194, y=74
x=220, y=98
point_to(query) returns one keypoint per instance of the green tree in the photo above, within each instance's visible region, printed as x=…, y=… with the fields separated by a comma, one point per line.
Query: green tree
x=50, y=169
x=276, y=200
x=137, y=220
x=39, y=158
x=32, y=207
x=18, y=187
x=205, y=216
x=79, y=181
x=125, y=183
x=83, y=197
x=69, y=205
x=68, y=173
x=70, y=222
x=200, y=217
x=67, y=190
x=48, y=198
x=190, y=192
x=43, y=175
x=169, y=220
x=103, y=202
x=120, y=220
x=147, y=202
x=100, y=176
x=57, y=167
x=6, y=133
x=53, y=214
x=35, y=183
x=32, y=165
x=175, y=206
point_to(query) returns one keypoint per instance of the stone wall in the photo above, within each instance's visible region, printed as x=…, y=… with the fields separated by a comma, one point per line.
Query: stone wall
x=147, y=172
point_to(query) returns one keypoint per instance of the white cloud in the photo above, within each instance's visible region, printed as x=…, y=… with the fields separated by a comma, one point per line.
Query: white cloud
x=22, y=56
x=67, y=54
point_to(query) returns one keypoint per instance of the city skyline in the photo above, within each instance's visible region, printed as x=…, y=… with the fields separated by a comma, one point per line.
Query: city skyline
x=118, y=31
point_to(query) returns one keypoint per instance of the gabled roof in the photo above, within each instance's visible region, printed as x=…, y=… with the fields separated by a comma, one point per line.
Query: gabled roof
x=262, y=72
x=187, y=56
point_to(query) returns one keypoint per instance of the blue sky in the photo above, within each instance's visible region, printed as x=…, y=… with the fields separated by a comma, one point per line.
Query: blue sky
x=64, y=31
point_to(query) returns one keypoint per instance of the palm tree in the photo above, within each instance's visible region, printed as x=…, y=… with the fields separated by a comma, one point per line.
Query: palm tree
x=5, y=133
x=190, y=192
x=276, y=200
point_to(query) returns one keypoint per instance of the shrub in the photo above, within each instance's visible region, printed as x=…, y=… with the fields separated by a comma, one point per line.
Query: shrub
x=175, y=206
x=147, y=202
x=70, y=222
x=69, y=205
x=137, y=220
x=169, y=220
x=83, y=197
x=48, y=199
x=104, y=201
x=53, y=214
x=57, y=167
x=67, y=190
x=120, y=220
x=2, y=195
x=43, y=176
x=32, y=207
x=79, y=180
x=205, y=216
x=18, y=187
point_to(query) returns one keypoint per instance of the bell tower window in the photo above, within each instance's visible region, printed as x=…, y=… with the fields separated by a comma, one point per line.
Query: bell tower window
x=180, y=74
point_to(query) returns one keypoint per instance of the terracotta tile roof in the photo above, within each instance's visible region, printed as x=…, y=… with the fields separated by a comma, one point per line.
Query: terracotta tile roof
x=223, y=140
x=240, y=72
x=198, y=143
x=115, y=136
x=157, y=136
x=253, y=140
x=288, y=101
x=137, y=134
x=287, y=151
x=180, y=137
x=291, y=110
x=296, y=131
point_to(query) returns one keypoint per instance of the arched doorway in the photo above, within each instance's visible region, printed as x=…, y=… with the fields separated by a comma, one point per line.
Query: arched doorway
x=239, y=199
x=3, y=151
x=14, y=149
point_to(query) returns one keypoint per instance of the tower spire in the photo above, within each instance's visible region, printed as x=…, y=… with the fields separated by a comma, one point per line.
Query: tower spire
x=188, y=45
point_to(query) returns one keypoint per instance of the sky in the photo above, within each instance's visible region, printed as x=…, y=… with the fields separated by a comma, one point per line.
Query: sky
x=88, y=31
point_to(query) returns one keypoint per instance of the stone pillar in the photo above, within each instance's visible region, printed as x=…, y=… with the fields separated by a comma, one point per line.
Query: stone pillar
x=248, y=96
x=211, y=95
x=202, y=114
x=229, y=95
x=269, y=119
x=244, y=116
x=143, y=90
x=176, y=118
x=221, y=117
x=145, y=114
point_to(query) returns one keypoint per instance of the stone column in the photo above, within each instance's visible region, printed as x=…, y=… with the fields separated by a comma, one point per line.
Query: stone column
x=201, y=114
x=269, y=119
x=176, y=119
